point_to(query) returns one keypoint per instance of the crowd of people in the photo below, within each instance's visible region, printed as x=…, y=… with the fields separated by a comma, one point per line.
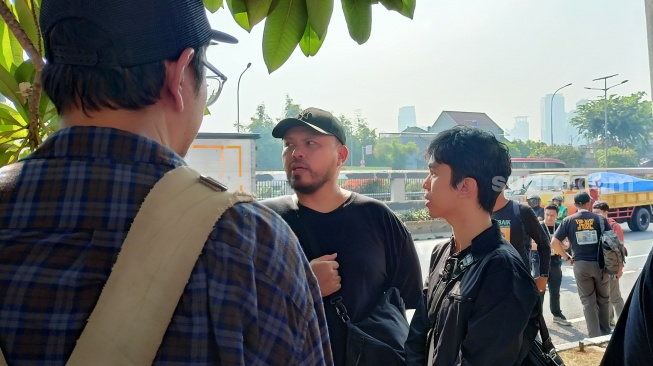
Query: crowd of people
x=319, y=277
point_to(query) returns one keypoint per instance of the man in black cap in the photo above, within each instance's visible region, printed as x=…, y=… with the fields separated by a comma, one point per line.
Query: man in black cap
x=583, y=230
x=130, y=81
x=357, y=247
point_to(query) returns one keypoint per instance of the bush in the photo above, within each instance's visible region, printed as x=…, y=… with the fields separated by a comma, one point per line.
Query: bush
x=415, y=215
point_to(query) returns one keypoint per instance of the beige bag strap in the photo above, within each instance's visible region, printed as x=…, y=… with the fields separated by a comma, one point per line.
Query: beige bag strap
x=166, y=238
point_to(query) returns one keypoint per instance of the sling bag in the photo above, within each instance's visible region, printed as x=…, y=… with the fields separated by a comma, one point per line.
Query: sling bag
x=153, y=267
x=379, y=338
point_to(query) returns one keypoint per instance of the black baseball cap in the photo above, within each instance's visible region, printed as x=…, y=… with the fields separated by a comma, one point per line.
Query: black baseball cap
x=315, y=118
x=582, y=198
x=141, y=32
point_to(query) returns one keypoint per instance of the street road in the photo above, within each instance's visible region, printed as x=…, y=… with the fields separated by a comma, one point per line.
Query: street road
x=639, y=244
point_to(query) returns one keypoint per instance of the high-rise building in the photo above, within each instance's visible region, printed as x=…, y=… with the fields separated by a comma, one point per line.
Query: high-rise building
x=574, y=136
x=521, y=130
x=407, y=118
x=554, y=115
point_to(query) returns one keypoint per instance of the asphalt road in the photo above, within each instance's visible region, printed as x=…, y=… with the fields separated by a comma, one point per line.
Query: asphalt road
x=639, y=244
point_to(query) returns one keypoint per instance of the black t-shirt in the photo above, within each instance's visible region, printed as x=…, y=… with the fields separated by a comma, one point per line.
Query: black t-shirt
x=584, y=231
x=375, y=252
x=520, y=236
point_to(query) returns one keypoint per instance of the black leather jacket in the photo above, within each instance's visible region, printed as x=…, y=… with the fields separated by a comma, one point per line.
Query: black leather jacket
x=483, y=318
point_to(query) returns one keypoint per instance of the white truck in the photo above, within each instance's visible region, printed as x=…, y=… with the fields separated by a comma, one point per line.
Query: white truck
x=229, y=158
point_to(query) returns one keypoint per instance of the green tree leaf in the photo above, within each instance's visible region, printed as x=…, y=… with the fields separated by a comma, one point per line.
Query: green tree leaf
x=212, y=5
x=257, y=10
x=26, y=20
x=9, y=86
x=284, y=29
x=319, y=15
x=238, y=10
x=358, y=14
x=408, y=10
x=12, y=52
x=311, y=41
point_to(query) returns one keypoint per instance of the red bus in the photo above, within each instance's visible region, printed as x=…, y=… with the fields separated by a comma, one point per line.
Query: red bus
x=536, y=163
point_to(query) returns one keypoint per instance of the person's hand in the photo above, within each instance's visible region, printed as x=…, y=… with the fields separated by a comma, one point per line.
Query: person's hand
x=540, y=282
x=533, y=246
x=621, y=271
x=325, y=268
x=570, y=260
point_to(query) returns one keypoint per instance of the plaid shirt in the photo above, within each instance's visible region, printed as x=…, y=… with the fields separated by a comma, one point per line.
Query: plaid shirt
x=64, y=213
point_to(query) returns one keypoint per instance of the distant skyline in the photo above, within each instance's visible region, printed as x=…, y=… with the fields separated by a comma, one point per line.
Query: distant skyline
x=498, y=57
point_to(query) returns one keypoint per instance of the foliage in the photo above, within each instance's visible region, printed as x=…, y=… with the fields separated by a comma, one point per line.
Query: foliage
x=567, y=153
x=414, y=215
x=367, y=186
x=29, y=116
x=618, y=157
x=304, y=22
x=394, y=153
x=268, y=148
x=630, y=122
x=522, y=149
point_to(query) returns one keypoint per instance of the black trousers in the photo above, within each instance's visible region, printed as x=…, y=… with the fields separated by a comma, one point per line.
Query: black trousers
x=555, y=280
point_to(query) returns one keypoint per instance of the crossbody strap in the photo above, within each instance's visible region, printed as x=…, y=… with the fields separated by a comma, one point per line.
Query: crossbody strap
x=152, y=270
x=153, y=267
x=316, y=251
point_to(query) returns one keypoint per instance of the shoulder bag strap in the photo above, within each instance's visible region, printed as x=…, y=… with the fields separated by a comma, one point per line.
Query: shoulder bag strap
x=152, y=269
x=162, y=246
x=136, y=305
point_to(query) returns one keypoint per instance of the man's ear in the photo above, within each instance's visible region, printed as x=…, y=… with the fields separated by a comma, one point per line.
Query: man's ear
x=343, y=153
x=468, y=188
x=177, y=79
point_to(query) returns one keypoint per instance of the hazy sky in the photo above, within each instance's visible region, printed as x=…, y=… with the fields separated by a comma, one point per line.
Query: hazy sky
x=494, y=56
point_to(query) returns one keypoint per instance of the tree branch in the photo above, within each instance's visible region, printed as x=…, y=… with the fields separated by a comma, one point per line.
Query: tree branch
x=9, y=18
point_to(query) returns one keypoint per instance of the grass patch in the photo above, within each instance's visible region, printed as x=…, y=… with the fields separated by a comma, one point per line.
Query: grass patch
x=590, y=357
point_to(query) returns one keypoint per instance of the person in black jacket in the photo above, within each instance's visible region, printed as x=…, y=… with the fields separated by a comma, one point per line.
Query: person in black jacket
x=631, y=343
x=480, y=297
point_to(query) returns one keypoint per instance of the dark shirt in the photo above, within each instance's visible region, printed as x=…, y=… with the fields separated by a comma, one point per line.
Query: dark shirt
x=64, y=213
x=631, y=343
x=375, y=252
x=482, y=320
x=583, y=231
x=519, y=234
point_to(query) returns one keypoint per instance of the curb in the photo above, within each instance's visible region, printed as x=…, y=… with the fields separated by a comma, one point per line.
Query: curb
x=596, y=341
x=429, y=229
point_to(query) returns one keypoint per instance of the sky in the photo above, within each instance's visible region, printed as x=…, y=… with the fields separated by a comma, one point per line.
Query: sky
x=499, y=57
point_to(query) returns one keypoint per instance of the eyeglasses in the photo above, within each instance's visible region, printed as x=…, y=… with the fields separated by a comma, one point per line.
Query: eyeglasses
x=214, y=82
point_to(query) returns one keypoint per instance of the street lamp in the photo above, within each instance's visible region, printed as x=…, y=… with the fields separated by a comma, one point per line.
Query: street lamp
x=238, y=96
x=551, y=116
x=605, y=106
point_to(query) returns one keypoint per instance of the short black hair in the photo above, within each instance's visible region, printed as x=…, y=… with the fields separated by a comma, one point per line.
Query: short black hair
x=551, y=206
x=473, y=153
x=93, y=88
x=601, y=205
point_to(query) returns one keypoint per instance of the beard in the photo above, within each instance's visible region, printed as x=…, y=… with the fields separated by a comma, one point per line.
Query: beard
x=317, y=181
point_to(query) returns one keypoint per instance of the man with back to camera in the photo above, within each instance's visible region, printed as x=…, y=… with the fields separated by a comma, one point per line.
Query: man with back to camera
x=365, y=249
x=616, y=301
x=520, y=226
x=584, y=232
x=129, y=81
x=483, y=317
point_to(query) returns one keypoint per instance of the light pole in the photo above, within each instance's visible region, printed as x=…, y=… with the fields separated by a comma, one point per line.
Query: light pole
x=605, y=111
x=238, y=96
x=551, y=116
